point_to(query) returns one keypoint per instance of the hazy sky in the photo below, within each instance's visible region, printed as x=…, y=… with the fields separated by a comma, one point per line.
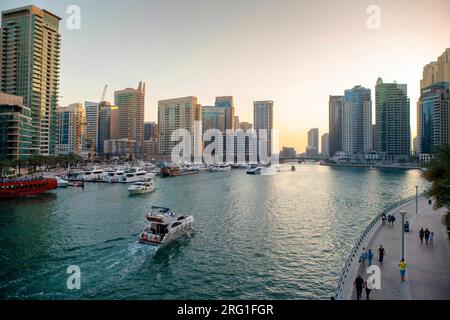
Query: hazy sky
x=294, y=52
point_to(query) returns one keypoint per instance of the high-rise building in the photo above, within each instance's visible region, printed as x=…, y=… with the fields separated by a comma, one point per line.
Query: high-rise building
x=15, y=128
x=227, y=103
x=114, y=129
x=149, y=130
x=104, y=124
x=213, y=118
x=69, y=129
x=325, y=148
x=312, y=149
x=237, y=123
x=91, y=135
x=263, y=120
x=30, y=69
x=131, y=113
x=173, y=114
x=336, y=105
x=433, y=112
x=357, y=120
x=393, y=132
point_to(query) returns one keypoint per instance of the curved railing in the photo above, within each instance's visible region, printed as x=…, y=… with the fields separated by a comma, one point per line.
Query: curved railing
x=355, y=249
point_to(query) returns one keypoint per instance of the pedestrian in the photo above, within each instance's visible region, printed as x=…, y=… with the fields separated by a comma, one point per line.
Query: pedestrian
x=431, y=238
x=383, y=218
x=381, y=254
x=363, y=256
x=421, y=235
x=403, y=267
x=359, y=285
x=367, y=290
x=427, y=235
x=370, y=257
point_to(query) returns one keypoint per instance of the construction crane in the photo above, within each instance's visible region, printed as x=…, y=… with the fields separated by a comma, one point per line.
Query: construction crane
x=104, y=93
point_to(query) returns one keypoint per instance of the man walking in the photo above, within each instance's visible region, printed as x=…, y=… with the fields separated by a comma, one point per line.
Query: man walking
x=368, y=290
x=427, y=235
x=381, y=254
x=370, y=256
x=421, y=234
x=359, y=285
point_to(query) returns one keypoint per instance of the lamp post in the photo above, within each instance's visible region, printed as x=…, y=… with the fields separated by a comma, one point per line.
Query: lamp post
x=417, y=197
x=403, y=213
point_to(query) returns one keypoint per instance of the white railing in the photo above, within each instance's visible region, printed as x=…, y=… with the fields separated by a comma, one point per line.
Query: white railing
x=358, y=243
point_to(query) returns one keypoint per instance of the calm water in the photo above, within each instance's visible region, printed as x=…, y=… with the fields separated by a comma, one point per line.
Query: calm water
x=256, y=237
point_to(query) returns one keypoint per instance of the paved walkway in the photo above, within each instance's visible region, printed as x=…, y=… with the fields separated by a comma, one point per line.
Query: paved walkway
x=428, y=274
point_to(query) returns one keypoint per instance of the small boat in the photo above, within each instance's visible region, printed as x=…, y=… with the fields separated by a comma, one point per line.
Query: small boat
x=293, y=168
x=372, y=168
x=61, y=182
x=170, y=171
x=141, y=187
x=75, y=184
x=164, y=226
x=254, y=169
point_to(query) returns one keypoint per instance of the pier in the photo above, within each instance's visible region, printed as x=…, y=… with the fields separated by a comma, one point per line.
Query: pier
x=428, y=272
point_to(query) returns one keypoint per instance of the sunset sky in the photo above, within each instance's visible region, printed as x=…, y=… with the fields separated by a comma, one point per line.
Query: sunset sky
x=293, y=52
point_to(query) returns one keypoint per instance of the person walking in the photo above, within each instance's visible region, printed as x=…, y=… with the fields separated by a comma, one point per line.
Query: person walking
x=359, y=285
x=369, y=257
x=427, y=235
x=368, y=290
x=383, y=218
x=431, y=238
x=403, y=267
x=421, y=235
x=381, y=254
x=363, y=256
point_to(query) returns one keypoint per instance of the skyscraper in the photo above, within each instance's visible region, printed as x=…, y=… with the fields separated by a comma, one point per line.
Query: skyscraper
x=131, y=113
x=213, y=118
x=325, y=149
x=69, y=129
x=263, y=119
x=312, y=150
x=435, y=73
x=434, y=109
x=393, y=132
x=357, y=120
x=335, y=105
x=104, y=124
x=227, y=103
x=91, y=135
x=173, y=114
x=30, y=68
x=149, y=130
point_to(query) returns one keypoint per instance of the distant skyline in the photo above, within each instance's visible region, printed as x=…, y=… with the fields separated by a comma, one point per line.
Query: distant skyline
x=293, y=52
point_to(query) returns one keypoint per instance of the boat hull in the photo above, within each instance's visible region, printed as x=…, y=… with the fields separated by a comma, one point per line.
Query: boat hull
x=141, y=191
x=17, y=189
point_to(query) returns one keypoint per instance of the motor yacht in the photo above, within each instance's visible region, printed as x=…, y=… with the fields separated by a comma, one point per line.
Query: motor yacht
x=142, y=187
x=164, y=226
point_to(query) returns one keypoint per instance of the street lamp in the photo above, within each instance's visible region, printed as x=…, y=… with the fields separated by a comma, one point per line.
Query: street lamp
x=403, y=213
x=417, y=197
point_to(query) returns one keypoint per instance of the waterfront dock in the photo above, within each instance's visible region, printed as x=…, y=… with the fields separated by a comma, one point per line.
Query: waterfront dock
x=428, y=272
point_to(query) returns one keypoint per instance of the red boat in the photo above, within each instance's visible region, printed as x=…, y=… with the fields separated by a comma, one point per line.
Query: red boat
x=23, y=188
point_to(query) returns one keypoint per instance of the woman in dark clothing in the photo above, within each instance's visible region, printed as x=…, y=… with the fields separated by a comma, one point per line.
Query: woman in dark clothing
x=381, y=254
x=421, y=234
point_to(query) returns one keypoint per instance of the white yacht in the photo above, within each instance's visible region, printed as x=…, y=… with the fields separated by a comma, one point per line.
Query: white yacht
x=254, y=169
x=61, y=182
x=142, y=187
x=164, y=226
x=135, y=175
x=220, y=168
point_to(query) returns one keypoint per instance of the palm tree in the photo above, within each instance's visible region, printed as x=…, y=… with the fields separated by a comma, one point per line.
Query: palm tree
x=438, y=174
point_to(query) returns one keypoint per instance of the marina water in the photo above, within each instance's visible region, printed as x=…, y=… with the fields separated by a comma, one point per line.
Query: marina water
x=284, y=236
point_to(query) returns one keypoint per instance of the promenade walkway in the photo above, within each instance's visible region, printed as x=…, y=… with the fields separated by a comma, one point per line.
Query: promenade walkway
x=428, y=273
